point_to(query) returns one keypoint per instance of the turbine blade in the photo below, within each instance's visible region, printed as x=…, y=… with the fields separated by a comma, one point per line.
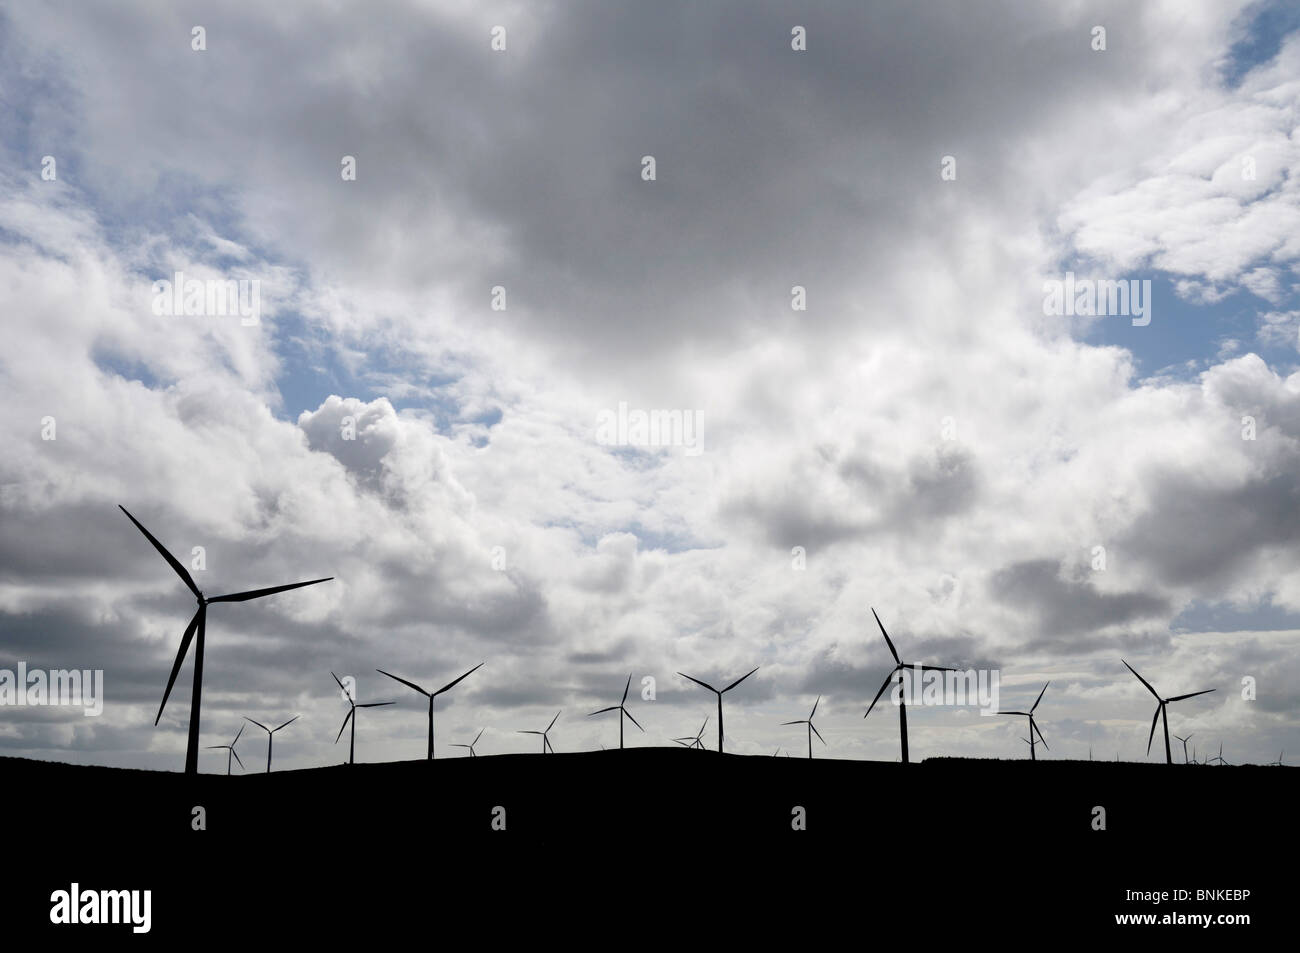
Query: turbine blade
x=342, y=686
x=1154, y=719
x=892, y=651
x=815, y=704
x=346, y=718
x=237, y=757
x=1142, y=680
x=888, y=678
x=934, y=668
x=180, y=657
x=237, y=734
x=741, y=679
x=171, y=560
x=634, y=721
x=1040, y=732
x=376, y=704
x=530, y=732
x=784, y=723
x=397, y=678
x=698, y=682
x=1013, y=713
x=626, y=689
x=462, y=678
x=258, y=723
x=1040, y=698
x=288, y=723
x=258, y=593
x=1178, y=698
x=479, y=735
x=603, y=710
x=554, y=720
x=816, y=732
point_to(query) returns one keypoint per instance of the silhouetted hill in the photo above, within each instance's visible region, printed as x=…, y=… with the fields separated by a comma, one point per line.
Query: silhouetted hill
x=974, y=835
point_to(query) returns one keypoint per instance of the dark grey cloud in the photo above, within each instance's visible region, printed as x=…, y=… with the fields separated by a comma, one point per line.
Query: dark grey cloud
x=1066, y=606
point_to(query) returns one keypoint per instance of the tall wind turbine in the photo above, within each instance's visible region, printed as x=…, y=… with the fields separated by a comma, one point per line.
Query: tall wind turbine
x=622, y=710
x=1184, y=741
x=720, y=694
x=270, y=736
x=198, y=624
x=430, y=696
x=899, y=665
x=1161, y=711
x=352, y=717
x=1033, y=726
x=812, y=729
x=230, y=750
x=546, y=740
x=689, y=742
x=471, y=745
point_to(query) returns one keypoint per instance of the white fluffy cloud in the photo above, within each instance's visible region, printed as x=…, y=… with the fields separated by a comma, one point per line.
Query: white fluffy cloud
x=937, y=449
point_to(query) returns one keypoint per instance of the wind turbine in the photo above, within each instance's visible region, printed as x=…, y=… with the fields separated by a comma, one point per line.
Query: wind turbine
x=695, y=742
x=898, y=670
x=1219, y=759
x=546, y=741
x=812, y=729
x=1278, y=762
x=270, y=736
x=351, y=716
x=1161, y=711
x=471, y=745
x=429, y=696
x=198, y=624
x=1033, y=726
x=1184, y=741
x=720, y=694
x=621, y=712
x=230, y=750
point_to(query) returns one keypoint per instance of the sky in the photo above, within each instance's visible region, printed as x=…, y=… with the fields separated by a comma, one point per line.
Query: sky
x=1038, y=494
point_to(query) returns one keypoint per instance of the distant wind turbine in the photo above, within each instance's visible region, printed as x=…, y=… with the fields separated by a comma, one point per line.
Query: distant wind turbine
x=1162, y=712
x=1184, y=741
x=1033, y=726
x=812, y=729
x=270, y=735
x=352, y=717
x=546, y=739
x=1278, y=763
x=898, y=670
x=471, y=745
x=230, y=750
x=198, y=624
x=695, y=742
x=1219, y=759
x=622, y=710
x=431, y=696
x=720, y=694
